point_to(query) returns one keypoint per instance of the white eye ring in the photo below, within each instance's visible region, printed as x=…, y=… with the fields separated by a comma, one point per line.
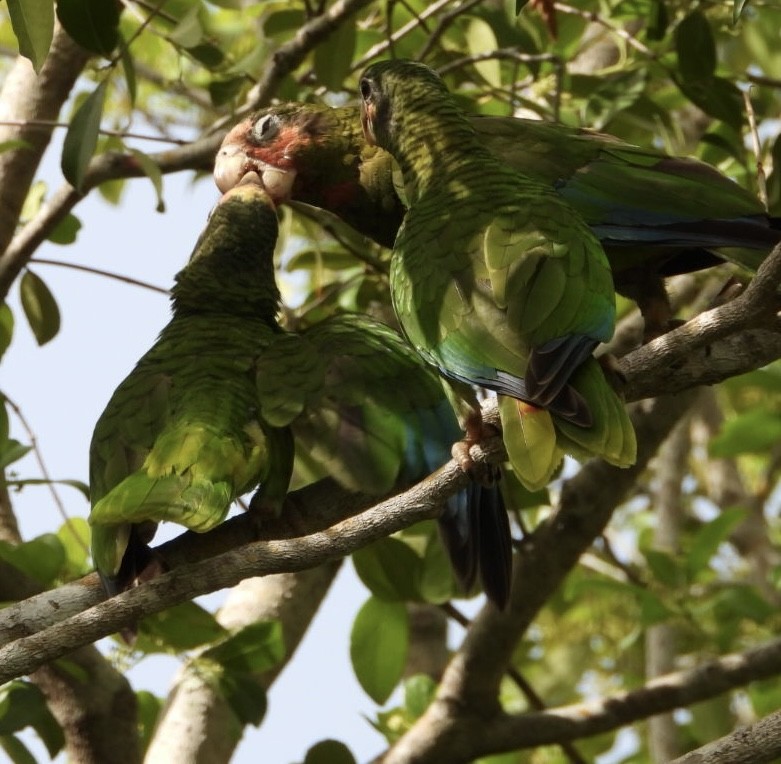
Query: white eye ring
x=265, y=127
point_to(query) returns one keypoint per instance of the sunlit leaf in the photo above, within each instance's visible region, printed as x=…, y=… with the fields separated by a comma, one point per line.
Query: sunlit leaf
x=480, y=38
x=93, y=24
x=378, y=646
x=189, y=31
x=22, y=705
x=33, y=25
x=40, y=307
x=82, y=136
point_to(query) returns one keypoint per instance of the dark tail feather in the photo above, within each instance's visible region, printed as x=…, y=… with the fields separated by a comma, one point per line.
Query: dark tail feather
x=495, y=546
x=476, y=532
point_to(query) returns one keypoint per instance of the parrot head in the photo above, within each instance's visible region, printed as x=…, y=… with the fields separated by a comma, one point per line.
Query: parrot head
x=300, y=151
x=390, y=87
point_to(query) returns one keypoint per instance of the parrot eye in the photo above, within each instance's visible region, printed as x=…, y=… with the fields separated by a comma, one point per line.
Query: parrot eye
x=366, y=89
x=265, y=128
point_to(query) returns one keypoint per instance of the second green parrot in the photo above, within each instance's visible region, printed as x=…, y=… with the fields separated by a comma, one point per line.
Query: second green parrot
x=497, y=281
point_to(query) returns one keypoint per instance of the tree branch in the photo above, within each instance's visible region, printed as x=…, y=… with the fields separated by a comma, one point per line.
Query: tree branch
x=758, y=743
x=197, y=723
x=26, y=96
x=421, y=502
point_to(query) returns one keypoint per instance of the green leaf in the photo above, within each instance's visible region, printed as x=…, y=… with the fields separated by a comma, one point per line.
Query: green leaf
x=252, y=650
x=152, y=171
x=17, y=751
x=129, y=70
x=66, y=230
x=245, y=696
x=33, y=25
x=658, y=20
x=717, y=97
x=222, y=91
x=437, y=582
x=389, y=569
x=329, y=752
x=22, y=705
x=149, y=706
x=334, y=56
x=741, y=601
x=664, y=566
x=6, y=327
x=737, y=10
x=189, y=31
x=207, y=54
x=181, y=627
x=519, y=5
x=82, y=136
x=4, y=425
x=75, y=537
x=753, y=431
x=41, y=558
x=480, y=38
x=12, y=451
x=696, y=48
x=40, y=308
x=419, y=691
x=707, y=539
x=93, y=24
x=378, y=646
x=14, y=143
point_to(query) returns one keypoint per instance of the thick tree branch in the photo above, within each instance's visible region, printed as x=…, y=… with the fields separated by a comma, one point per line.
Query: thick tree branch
x=758, y=743
x=739, y=336
x=197, y=723
x=26, y=97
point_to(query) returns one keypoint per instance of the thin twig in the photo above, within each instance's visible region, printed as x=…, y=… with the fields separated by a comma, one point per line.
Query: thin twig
x=50, y=483
x=99, y=272
x=44, y=124
x=752, y=125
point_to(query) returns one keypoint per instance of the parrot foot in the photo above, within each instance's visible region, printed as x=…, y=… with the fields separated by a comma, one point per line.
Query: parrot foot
x=477, y=431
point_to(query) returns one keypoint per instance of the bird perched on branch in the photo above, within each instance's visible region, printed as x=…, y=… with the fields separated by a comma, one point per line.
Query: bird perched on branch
x=215, y=407
x=655, y=215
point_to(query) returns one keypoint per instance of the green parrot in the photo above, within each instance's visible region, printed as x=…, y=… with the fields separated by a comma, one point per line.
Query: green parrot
x=496, y=281
x=225, y=396
x=655, y=215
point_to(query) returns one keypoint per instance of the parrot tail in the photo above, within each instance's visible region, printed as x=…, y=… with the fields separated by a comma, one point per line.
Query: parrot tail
x=475, y=530
x=198, y=504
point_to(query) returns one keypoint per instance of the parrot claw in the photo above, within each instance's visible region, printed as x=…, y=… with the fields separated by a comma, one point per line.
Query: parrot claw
x=477, y=431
